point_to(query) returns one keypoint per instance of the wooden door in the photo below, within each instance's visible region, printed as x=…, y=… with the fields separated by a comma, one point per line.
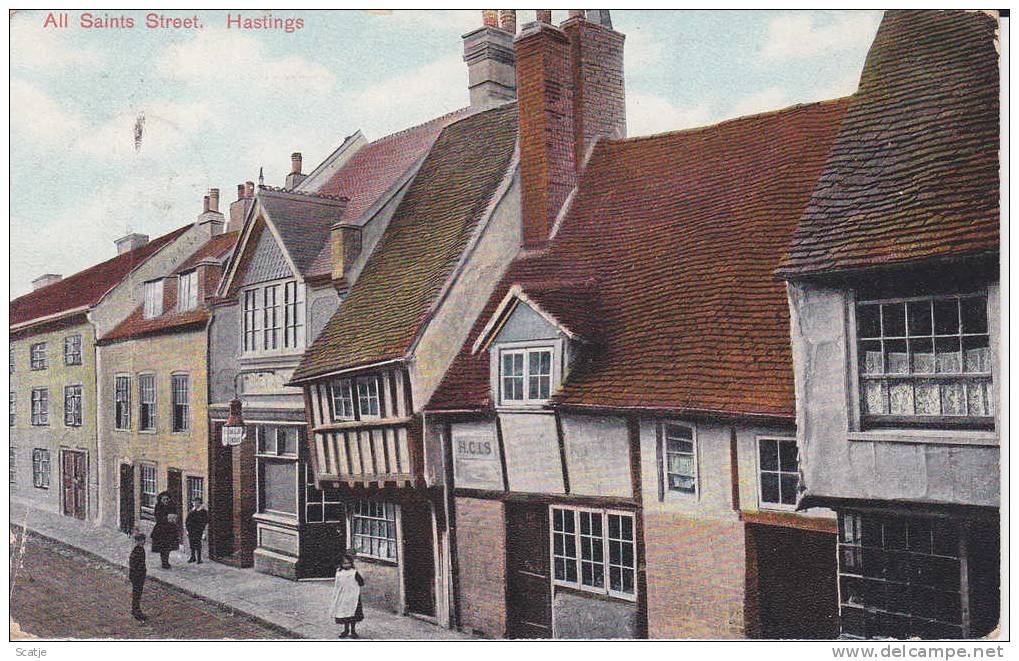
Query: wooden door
x=127, y=498
x=418, y=558
x=176, y=491
x=528, y=587
x=73, y=483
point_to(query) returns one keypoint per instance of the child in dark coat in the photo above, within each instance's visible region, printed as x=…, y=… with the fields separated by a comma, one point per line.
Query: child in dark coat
x=136, y=574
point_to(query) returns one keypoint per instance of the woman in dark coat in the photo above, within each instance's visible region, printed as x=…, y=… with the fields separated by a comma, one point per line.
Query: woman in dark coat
x=165, y=536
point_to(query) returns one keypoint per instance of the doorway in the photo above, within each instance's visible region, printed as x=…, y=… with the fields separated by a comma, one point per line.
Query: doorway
x=797, y=582
x=528, y=587
x=127, y=498
x=221, y=501
x=418, y=558
x=73, y=483
x=175, y=489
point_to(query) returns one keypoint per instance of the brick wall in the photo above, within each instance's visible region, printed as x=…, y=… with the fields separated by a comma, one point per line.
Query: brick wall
x=696, y=576
x=598, y=86
x=481, y=547
x=545, y=101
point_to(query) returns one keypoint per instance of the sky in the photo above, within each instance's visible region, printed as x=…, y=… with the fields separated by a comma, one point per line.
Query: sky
x=221, y=103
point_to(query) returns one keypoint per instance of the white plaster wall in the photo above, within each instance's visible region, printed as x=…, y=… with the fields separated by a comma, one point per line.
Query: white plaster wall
x=481, y=471
x=532, y=452
x=597, y=455
x=938, y=466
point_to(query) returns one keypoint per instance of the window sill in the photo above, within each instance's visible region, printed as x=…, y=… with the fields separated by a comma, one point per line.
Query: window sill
x=542, y=407
x=277, y=518
x=927, y=437
x=150, y=432
x=596, y=593
x=376, y=561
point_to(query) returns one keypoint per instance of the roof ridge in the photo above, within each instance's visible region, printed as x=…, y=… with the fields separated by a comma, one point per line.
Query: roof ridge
x=732, y=120
x=301, y=193
x=423, y=124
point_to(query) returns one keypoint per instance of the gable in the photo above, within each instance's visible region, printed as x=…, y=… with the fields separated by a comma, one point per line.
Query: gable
x=267, y=260
x=525, y=324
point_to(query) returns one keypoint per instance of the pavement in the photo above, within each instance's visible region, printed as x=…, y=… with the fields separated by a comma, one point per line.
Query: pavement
x=294, y=608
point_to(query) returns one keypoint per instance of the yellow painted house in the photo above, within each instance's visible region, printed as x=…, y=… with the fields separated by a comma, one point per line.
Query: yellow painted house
x=152, y=408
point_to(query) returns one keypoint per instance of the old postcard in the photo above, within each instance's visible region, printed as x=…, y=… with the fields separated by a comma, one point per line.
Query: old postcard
x=508, y=324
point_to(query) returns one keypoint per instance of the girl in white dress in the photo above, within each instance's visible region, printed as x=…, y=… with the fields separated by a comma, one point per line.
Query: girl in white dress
x=347, y=596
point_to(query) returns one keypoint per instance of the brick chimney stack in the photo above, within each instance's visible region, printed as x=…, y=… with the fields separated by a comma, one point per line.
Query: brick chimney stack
x=45, y=280
x=130, y=242
x=296, y=176
x=599, y=96
x=239, y=208
x=547, y=151
x=211, y=221
x=488, y=52
x=571, y=91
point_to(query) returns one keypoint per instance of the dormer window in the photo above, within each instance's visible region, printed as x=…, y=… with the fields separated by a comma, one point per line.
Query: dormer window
x=187, y=291
x=525, y=375
x=153, y=299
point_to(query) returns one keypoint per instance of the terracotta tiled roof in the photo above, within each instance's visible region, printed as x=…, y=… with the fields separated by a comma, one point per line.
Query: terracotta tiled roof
x=136, y=325
x=913, y=174
x=679, y=235
x=390, y=300
x=375, y=168
x=85, y=288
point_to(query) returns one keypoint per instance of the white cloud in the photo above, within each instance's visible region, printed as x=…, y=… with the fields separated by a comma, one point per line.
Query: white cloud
x=798, y=35
x=228, y=58
x=41, y=118
x=47, y=49
x=410, y=98
x=772, y=98
x=647, y=114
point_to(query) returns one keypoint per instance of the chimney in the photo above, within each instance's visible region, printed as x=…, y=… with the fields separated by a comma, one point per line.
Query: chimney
x=210, y=220
x=488, y=52
x=209, y=272
x=239, y=208
x=295, y=177
x=547, y=149
x=346, y=246
x=599, y=96
x=544, y=16
x=45, y=280
x=130, y=242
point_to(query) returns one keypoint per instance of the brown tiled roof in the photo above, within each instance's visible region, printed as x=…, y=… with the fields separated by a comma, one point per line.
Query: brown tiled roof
x=913, y=174
x=390, y=300
x=302, y=220
x=85, y=288
x=375, y=168
x=679, y=235
x=136, y=325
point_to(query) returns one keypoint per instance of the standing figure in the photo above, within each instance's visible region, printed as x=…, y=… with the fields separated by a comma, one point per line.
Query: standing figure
x=195, y=523
x=347, y=596
x=165, y=536
x=136, y=574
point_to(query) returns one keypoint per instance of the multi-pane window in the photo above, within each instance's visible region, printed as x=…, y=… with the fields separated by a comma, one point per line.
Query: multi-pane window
x=181, y=409
x=274, y=317
x=195, y=491
x=294, y=315
x=148, y=486
x=147, y=402
x=925, y=360
x=72, y=350
x=271, y=317
x=153, y=299
x=13, y=405
x=368, y=397
x=40, y=468
x=13, y=456
x=72, y=406
x=278, y=441
x=122, y=402
x=37, y=356
x=187, y=290
x=277, y=487
x=40, y=406
x=321, y=505
x=373, y=529
x=594, y=550
x=342, y=398
x=680, y=455
x=525, y=375
x=899, y=576
x=779, y=476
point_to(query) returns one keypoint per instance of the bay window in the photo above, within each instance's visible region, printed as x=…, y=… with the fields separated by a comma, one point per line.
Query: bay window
x=342, y=399
x=925, y=361
x=273, y=317
x=368, y=397
x=594, y=550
